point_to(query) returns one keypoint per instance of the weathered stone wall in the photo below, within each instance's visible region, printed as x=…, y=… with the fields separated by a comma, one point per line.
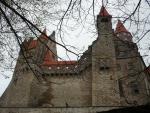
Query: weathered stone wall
x=104, y=85
x=57, y=110
x=63, y=90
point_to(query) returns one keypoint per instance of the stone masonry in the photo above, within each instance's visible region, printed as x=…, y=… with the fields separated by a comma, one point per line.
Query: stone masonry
x=108, y=75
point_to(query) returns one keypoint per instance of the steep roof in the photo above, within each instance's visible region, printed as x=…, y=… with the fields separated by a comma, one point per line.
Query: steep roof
x=120, y=28
x=31, y=44
x=47, y=56
x=42, y=34
x=49, y=62
x=103, y=12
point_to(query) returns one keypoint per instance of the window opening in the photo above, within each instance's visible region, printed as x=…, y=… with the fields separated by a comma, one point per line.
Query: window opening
x=117, y=52
x=107, y=45
x=130, y=65
x=121, y=88
x=118, y=67
x=104, y=63
x=125, y=53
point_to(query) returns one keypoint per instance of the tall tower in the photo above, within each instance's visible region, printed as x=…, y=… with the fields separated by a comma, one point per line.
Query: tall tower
x=103, y=63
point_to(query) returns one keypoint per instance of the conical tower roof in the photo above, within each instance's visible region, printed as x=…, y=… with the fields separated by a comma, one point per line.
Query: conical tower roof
x=120, y=28
x=103, y=12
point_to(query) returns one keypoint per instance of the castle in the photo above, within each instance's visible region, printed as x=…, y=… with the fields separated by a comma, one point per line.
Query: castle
x=108, y=75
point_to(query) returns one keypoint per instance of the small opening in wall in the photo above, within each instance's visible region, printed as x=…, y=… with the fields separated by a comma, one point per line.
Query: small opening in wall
x=118, y=67
x=111, y=78
x=107, y=45
x=135, y=102
x=136, y=91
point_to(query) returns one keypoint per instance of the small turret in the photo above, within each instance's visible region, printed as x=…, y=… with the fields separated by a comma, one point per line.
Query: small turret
x=104, y=24
x=122, y=32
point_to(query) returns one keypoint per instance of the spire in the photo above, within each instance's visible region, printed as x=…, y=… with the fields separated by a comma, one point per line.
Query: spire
x=120, y=28
x=42, y=34
x=103, y=12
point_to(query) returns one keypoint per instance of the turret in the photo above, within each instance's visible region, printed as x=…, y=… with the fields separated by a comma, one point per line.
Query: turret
x=122, y=32
x=41, y=49
x=104, y=22
x=103, y=63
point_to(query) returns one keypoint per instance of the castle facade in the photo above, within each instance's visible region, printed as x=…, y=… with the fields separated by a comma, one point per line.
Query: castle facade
x=109, y=74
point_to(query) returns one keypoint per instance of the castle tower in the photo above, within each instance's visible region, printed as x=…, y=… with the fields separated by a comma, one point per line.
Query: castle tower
x=52, y=45
x=122, y=32
x=103, y=63
x=46, y=44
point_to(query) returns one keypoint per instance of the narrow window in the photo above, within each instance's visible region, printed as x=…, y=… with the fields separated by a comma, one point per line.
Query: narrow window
x=135, y=88
x=125, y=53
x=102, y=20
x=117, y=52
x=106, y=37
x=130, y=65
x=106, y=19
x=118, y=67
x=107, y=45
x=121, y=88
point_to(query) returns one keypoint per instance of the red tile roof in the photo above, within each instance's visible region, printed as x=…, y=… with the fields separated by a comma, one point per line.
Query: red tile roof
x=42, y=34
x=47, y=56
x=31, y=45
x=103, y=12
x=49, y=62
x=120, y=28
